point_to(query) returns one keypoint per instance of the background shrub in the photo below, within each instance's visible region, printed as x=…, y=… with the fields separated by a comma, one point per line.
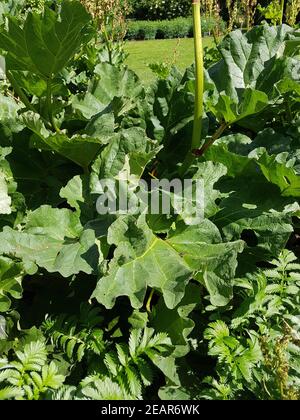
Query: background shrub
x=150, y=30
x=132, y=30
x=180, y=27
x=167, y=29
x=140, y=30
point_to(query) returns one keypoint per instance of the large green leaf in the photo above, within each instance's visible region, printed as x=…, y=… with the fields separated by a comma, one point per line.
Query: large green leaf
x=253, y=208
x=231, y=111
x=227, y=151
x=39, y=174
x=131, y=144
x=279, y=171
x=249, y=76
x=109, y=82
x=11, y=275
x=171, y=120
x=213, y=261
x=141, y=260
x=5, y=200
x=53, y=239
x=80, y=148
x=45, y=44
x=277, y=73
x=210, y=173
x=10, y=200
x=277, y=168
x=238, y=152
x=197, y=199
x=173, y=101
x=176, y=322
x=275, y=142
x=73, y=192
x=245, y=57
x=255, y=211
x=9, y=121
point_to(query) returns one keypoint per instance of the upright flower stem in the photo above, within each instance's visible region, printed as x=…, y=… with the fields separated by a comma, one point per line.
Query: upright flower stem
x=282, y=12
x=199, y=87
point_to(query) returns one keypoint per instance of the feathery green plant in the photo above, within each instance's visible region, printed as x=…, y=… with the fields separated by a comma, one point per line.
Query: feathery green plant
x=29, y=375
x=75, y=336
x=132, y=365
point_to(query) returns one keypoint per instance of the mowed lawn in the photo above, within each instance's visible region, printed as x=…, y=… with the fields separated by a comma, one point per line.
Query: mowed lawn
x=176, y=51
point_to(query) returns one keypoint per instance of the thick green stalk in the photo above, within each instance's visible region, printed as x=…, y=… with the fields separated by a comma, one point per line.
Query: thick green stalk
x=49, y=105
x=199, y=87
x=198, y=113
x=282, y=12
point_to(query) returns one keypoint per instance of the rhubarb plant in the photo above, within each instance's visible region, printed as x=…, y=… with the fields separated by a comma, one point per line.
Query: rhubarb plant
x=147, y=305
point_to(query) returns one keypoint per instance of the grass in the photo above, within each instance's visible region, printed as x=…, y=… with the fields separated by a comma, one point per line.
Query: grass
x=174, y=51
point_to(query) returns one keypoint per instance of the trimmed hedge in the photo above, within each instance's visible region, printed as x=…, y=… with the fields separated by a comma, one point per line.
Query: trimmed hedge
x=166, y=29
x=140, y=29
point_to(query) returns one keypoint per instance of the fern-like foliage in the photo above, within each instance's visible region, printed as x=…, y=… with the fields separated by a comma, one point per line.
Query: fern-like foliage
x=123, y=372
x=218, y=389
x=236, y=357
x=269, y=294
x=10, y=392
x=75, y=336
x=130, y=366
x=92, y=388
x=65, y=392
x=267, y=363
x=29, y=374
x=97, y=389
x=285, y=277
